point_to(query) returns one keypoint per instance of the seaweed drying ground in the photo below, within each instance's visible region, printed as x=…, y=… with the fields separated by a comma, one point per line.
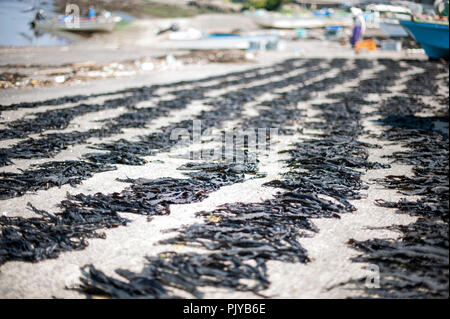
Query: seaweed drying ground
x=32, y=240
x=238, y=239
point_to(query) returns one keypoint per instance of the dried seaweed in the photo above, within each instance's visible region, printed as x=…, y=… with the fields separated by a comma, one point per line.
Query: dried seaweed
x=144, y=197
x=240, y=238
x=38, y=238
x=219, y=174
x=226, y=107
x=51, y=144
x=383, y=79
x=55, y=119
x=425, y=83
x=402, y=105
x=33, y=239
x=327, y=165
x=416, y=265
x=48, y=175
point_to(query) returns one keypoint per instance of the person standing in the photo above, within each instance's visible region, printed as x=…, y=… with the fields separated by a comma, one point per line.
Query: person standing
x=92, y=14
x=359, y=26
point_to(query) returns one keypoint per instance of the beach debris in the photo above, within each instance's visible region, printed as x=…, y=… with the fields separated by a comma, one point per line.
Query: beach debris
x=9, y=79
x=49, y=75
x=391, y=45
x=60, y=79
x=147, y=66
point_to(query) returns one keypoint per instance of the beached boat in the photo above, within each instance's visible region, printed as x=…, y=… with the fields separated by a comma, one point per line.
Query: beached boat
x=99, y=24
x=307, y=20
x=229, y=42
x=288, y=22
x=392, y=28
x=433, y=37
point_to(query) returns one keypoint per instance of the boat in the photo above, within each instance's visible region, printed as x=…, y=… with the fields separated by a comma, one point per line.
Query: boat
x=229, y=42
x=307, y=20
x=388, y=9
x=288, y=21
x=297, y=22
x=392, y=28
x=99, y=24
x=432, y=36
x=387, y=19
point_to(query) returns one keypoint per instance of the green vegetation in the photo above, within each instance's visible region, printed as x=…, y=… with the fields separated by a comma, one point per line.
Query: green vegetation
x=263, y=4
x=122, y=25
x=163, y=10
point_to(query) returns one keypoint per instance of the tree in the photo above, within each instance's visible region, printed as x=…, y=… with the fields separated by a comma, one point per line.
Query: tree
x=266, y=4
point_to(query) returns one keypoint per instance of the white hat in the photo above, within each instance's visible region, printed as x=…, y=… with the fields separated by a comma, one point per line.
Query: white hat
x=356, y=11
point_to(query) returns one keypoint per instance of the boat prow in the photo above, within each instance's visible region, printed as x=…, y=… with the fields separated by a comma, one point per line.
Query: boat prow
x=433, y=37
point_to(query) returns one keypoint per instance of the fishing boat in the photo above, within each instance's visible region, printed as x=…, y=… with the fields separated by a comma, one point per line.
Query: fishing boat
x=288, y=21
x=432, y=36
x=387, y=19
x=296, y=21
x=229, y=42
x=99, y=24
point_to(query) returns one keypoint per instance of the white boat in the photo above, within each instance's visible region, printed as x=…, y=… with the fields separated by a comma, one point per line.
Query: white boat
x=99, y=24
x=288, y=22
x=386, y=8
x=229, y=42
x=393, y=28
x=297, y=21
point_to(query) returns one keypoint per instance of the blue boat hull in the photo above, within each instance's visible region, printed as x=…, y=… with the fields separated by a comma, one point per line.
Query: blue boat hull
x=432, y=37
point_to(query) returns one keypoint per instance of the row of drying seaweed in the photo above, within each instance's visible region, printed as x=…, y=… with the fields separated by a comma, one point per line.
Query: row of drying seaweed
x=416, y=264
x=226, y=107
x=77, y=98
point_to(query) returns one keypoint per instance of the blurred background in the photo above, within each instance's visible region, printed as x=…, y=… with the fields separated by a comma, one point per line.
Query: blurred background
x=111, y=38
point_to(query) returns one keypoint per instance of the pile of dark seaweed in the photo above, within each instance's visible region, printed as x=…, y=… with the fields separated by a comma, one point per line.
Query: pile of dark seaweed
x=48, y=175
x=38, y=238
